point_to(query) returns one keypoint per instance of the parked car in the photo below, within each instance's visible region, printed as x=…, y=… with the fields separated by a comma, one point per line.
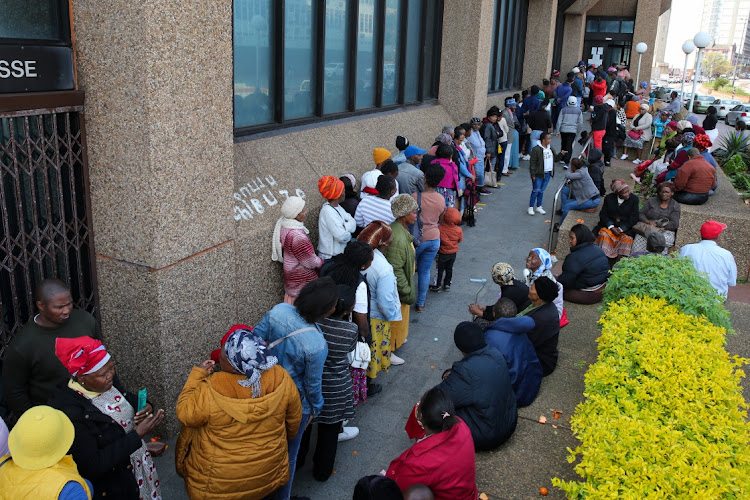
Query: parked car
x=724, y=106
x=702, y=102
x=686, y=98
x=740, y=112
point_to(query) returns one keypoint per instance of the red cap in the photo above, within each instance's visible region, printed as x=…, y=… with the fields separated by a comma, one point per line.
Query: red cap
x=216, y=353
x=711, y=229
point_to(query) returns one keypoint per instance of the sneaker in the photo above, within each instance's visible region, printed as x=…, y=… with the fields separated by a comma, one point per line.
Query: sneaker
x=624, y=157
x=446, y=288
x=396, y=361
x=373, y=389
x=566, y=166
x=526, y=157
x=434, y=288
x=637, y=161
x=541, y=211
x=348, y=433
x=530, y=211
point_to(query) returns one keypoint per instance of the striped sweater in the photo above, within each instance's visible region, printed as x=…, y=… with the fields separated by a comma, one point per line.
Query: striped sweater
x=338, y=396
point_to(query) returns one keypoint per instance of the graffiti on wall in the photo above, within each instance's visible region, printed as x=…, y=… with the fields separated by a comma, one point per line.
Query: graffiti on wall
x=255, y=197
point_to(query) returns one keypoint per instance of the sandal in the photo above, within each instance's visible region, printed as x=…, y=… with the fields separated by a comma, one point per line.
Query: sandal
x=420, y=309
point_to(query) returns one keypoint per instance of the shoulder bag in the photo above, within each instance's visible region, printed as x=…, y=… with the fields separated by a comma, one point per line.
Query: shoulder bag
x=279, y=341
x=360, y=356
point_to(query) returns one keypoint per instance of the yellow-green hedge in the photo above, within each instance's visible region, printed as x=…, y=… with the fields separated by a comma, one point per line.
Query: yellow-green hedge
x=664, y=415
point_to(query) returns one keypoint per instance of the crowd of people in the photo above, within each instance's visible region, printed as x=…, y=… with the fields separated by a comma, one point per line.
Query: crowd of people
x=248, y=411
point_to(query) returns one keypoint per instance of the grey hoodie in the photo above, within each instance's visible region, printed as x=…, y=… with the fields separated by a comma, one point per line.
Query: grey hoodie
x=570, y=120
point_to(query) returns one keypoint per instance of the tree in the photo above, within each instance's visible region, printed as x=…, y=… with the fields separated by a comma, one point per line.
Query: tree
x=714, y=65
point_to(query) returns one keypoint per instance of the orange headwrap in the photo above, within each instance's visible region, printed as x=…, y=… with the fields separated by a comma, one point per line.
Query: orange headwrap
x=330, y=187
x=379, y=155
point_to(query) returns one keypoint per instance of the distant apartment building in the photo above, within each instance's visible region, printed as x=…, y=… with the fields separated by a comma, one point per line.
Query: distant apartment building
x=728, y=23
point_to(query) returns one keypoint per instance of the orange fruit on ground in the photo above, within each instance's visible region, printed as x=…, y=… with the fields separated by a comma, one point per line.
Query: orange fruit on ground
x=543, y=491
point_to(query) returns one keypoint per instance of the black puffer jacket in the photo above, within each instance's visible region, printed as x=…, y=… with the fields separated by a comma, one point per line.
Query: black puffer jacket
x=101, y=448
x=479, y=386
x=586, y=266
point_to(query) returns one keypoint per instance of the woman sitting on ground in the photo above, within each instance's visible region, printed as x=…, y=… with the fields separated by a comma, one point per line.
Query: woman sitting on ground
x=108, y=446
x=617, y=217
x=538, y=264
x=585, y=270
x=660, y=213
x=510, y=288
x=231, y=417
x=385, y=305
x=544, y=336
x=444, y=459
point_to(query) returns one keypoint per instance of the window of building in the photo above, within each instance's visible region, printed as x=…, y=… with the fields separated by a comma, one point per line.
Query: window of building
x=302, y=61
x=38, y=20
x=508, y=44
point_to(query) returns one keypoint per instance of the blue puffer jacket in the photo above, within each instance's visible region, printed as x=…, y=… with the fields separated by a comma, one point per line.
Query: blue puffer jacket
x=479, y=386
x=586, y=266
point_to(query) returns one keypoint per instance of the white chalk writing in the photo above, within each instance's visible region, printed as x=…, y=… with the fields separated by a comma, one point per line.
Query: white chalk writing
x=253, y=199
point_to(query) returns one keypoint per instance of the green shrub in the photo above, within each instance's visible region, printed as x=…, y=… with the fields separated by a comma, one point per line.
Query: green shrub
x=730, y=145
x=664, y=415
x=735, y=165
x=675, y=280
x=718, y=83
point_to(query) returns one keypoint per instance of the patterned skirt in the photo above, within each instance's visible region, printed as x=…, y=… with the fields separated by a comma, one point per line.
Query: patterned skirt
x=380, y=348
x=359, y=384
x=614, y=246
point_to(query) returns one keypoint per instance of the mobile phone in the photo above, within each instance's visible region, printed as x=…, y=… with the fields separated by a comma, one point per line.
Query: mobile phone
x=142, y=394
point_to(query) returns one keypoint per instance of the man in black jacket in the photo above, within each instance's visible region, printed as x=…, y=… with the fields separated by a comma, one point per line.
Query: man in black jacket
x=480, y=388
x=610, y=134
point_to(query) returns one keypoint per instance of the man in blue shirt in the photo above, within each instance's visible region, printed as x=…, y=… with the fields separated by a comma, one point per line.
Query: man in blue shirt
x=710, y=258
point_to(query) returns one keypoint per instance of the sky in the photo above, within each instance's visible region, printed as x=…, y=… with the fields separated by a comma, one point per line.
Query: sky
x=684, y=23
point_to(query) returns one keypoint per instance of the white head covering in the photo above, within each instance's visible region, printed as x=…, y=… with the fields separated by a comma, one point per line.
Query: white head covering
x=291, y=208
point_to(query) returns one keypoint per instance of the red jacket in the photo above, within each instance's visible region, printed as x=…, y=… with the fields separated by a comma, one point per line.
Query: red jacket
x=450, y=234
x=444, y=462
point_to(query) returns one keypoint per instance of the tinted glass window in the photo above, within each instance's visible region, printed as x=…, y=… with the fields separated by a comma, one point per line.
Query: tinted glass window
x=253, y=55
x=627, y=26
x=34, y=19
x=609, y=26
x=413, y=29
x=298, y=58
x=391, y=46
x=592, y=25
x=366, y=55
x=335, y=80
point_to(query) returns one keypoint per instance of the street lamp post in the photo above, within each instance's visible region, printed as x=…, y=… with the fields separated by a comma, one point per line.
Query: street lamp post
x=688, y=47
x=640, y=48
x=701, y=40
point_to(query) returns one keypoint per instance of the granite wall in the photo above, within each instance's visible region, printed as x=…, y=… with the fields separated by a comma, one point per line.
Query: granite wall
x=540, y=37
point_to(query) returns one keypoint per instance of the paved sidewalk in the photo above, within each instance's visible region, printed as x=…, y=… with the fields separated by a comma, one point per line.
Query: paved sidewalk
x=536, y=452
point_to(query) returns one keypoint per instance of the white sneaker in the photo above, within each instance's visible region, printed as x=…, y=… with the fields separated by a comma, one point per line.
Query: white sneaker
x=530, y=211
x=637, y=161
x=566, y=166
x=396, y=361
x=348, y=433
x=624, y=157
x=526, y=157
x=540, y=210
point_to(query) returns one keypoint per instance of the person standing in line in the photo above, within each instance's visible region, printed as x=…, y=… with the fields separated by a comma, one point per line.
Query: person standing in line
x=412, y=178
x=609, y=142
x=509, y=113
x=369, y=178
x=710, y=258
x=542, y=163
x=450, y=236
x=569, y=125
x=599, y=121
x=335, y=225
x=432, y=208
x=491, y=139
x=475, y=140
x=401, y=144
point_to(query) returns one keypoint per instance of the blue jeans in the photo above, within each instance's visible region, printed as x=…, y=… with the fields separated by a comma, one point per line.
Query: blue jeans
x=538, y=185
x=426, y=252
x=572, y=204
x=479, y=170
x=285, y=491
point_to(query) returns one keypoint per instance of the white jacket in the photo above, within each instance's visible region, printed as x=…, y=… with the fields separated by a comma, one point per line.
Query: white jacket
x=335, y=228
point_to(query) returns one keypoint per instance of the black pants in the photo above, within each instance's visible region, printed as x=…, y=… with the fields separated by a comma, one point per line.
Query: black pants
x=325, y=450
x=445, y=265
x=608, y=147
x=566, y=139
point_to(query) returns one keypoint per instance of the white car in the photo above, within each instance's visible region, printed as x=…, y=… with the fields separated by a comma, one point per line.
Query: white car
x=740, y=112
x=724, y=106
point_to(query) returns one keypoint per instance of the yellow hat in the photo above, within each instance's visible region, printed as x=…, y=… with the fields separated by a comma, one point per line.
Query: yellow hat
x=379, y=155
x=41, y=438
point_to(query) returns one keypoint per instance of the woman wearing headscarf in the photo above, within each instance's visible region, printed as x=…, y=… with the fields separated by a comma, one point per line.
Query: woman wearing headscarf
x=335, y=225
x=236, y=422
x=680, y=157
x=538, y=264
x=351, y=197
x=617, y=217
x=292, y=246
x=444, y=459
x=661, y=214
x=295, y=339
x=385, y=305
x=108, y=445
x=510, y=287
x=638, y=134
x=402, y=257
x=37, y=464
x=543, y=292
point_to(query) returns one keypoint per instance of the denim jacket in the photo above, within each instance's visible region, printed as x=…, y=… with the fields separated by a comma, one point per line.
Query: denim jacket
x=384, y=300
x=302, y=355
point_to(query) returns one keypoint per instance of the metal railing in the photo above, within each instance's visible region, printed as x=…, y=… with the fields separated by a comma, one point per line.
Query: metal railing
x=45, y=208
x=583, y=154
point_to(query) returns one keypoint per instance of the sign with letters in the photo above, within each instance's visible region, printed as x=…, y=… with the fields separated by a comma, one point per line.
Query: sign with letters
x=35, y=68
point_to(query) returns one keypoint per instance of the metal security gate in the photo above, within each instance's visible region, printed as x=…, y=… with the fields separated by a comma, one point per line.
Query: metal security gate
x=45, y=207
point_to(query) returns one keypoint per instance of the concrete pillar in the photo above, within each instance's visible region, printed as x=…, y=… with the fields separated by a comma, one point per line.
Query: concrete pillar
x=572, y=46
x=646, y=26
x=465, y=57
x=540, y=38
x=159, y=131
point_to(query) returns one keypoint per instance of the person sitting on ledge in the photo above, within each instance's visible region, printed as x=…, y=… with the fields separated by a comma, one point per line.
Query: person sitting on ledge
x=544, y=336
x=617, y=217
x=507, y=334
x=694, y=180
x=511, y=288
x=585, y=270
x=480, y=388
